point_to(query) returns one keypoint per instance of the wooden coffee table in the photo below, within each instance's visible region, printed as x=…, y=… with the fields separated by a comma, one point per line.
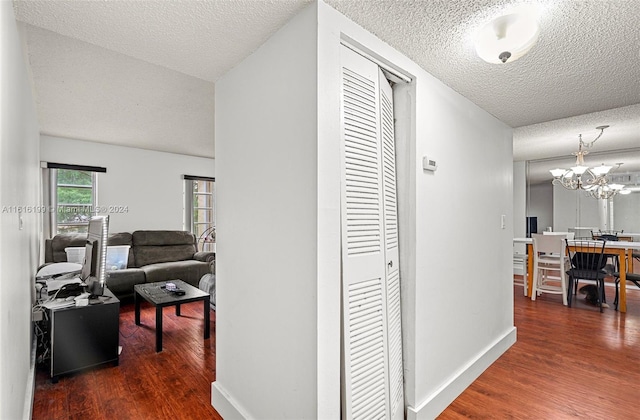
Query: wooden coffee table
x=159, y=296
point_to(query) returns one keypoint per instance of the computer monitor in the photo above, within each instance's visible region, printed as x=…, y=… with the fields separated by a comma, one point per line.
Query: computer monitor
x=93, y=272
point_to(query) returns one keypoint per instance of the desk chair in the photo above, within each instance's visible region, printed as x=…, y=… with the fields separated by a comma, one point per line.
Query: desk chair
x=549, y=255
x=587, y=263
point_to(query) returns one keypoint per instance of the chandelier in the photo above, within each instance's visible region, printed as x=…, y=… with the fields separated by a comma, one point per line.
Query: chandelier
x=593, y=181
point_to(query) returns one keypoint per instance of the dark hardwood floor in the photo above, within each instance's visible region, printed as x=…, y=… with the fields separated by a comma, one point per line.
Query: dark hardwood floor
x=567, y=363
x=172, y=384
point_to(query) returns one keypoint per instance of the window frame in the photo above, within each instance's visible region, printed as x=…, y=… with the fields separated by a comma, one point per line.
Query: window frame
x=205, y=238
x=50, y=194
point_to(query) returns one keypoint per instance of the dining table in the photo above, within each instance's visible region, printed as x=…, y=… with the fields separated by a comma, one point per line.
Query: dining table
x=623, y=249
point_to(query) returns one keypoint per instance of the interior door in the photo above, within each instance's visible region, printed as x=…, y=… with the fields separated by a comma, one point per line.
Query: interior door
x=372, y=374
x=392, y=266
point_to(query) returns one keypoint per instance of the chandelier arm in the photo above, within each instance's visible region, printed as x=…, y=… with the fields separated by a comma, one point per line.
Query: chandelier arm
x=615, y=168
x=591, y=143
x=593, y=177
x=570, y=183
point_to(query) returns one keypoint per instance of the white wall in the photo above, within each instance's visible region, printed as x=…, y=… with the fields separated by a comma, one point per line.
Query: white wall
x=519, y=204
x=574, y=209
x=278, y=327
x=19, y=232
x=519, y=199
x=147, y=183
x=541, y=206
x=463, y=296
x=267, y=232
x=625, y=212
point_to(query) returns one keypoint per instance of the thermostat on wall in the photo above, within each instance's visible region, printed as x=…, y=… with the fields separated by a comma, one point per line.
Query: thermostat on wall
x=428, y=164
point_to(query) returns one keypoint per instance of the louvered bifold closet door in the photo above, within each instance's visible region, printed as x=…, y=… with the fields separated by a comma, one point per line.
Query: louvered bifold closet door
x=394, y=330
x=365, y=347
x=373, y=372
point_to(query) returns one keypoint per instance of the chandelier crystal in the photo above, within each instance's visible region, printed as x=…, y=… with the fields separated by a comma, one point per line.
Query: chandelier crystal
x=593, y=181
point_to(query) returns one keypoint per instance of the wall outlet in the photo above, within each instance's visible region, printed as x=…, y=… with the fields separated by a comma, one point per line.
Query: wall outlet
x=503, y=221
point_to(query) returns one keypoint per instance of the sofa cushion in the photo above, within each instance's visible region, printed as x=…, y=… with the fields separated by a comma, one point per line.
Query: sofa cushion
x=188, y=271
x=145, y=255
x=162, y=237
x=159, y=246
x=66, y=240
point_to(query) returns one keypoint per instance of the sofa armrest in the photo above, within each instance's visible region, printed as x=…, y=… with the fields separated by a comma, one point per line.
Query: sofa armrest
x=205, y=256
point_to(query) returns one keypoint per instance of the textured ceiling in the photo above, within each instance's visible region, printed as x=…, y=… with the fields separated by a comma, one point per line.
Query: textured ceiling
x=577, y=66
x=203, y=39
x=550, y=145
x=586, y=62
x=91, y=93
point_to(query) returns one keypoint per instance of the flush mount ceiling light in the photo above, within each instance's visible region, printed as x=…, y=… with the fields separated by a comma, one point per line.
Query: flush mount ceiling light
x=508, y=37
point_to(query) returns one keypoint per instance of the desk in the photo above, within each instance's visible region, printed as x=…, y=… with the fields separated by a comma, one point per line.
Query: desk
x=623, y=250
x=84, y=336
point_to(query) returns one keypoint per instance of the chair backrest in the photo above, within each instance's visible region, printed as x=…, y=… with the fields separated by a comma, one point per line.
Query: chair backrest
x=609, y=232
x=608, y=237
x=587, y=258
x=549, y=244
x=570, y=235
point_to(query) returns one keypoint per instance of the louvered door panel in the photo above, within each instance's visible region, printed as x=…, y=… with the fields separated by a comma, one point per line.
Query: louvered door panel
x=389, y=171
x=361, y=153
x=367, y=347
x=390, y=216
x=396, y=376
x=366, y=380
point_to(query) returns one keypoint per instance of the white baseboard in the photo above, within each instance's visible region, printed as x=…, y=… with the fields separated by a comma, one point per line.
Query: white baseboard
x=435, y=404
x=224, y=404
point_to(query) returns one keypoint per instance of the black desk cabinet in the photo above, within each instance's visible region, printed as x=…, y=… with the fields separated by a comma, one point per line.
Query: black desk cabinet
x=84, y=336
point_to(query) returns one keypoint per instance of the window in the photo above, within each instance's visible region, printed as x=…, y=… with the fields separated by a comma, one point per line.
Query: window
x=71, y=197
x=75, y=200
x=200, y=210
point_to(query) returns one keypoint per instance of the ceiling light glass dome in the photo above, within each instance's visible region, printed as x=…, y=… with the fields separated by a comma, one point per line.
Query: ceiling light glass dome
x=508, y=37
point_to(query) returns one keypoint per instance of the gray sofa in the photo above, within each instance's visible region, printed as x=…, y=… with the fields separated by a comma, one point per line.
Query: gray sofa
x=154, y=255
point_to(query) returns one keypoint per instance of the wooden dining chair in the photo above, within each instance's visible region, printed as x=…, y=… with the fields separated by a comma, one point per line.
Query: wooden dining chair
x=615, y=266
x=570, y=235
x=587, y=260
x=549, y=259
x=632, y=277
